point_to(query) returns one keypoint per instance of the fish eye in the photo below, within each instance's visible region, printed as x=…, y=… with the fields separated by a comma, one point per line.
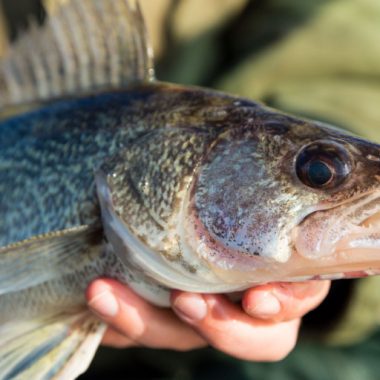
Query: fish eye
x=323, y=164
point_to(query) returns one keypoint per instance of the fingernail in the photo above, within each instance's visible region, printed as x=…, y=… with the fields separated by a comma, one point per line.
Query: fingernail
x=266, y=305
x=105, y=304
x=191, y=307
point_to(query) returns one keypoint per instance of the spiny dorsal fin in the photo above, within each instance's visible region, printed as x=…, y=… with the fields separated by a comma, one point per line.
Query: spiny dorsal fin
x=84, y=45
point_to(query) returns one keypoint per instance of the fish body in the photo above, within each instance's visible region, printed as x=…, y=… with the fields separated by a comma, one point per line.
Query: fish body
x=158, y=185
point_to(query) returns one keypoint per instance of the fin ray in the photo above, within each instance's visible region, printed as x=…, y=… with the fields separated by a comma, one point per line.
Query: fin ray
x=84, y=45
x=61, y=347
x=25, y=264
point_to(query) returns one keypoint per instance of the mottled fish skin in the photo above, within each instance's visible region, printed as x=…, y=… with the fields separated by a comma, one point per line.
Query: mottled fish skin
x=48, y=157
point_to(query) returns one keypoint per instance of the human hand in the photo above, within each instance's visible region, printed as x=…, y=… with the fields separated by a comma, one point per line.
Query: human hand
x=263, y=328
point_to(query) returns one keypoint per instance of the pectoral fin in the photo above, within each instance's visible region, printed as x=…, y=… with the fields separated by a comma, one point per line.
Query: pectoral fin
x=61, y=347
x=41, y=258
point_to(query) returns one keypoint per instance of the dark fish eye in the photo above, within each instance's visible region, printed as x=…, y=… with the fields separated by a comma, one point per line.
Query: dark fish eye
x=322, y=165
x=319, y=173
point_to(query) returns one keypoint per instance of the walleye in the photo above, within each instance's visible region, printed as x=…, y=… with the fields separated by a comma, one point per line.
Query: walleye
x=105, y=171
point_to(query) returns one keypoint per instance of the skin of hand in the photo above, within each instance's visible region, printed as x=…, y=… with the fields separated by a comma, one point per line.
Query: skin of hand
x=264, y=327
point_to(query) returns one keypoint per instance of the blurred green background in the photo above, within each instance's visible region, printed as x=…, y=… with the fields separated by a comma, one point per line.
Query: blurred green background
x=315, y=58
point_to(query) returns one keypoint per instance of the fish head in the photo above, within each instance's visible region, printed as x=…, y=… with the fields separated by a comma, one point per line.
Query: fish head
x=228, y=193
x=284, y=199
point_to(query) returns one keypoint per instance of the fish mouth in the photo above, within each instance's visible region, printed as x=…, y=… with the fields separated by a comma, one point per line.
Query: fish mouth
x=341, y=241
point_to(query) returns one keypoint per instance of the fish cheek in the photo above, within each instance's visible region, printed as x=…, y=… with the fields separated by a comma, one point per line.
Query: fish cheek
x=239, y=203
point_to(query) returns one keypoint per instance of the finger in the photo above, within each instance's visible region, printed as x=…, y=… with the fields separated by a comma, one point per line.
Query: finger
x=115, y=339
x=228, y=328
x=138, y=320
x=284, y=301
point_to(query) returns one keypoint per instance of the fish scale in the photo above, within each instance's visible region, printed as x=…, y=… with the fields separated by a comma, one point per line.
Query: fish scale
x=64, y=155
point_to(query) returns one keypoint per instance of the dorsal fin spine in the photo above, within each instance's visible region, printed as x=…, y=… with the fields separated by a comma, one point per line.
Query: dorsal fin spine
x=80, y=44
x=39, y=69
x=84, y=45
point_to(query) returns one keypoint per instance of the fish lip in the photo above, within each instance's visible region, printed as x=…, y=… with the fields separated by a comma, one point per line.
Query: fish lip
x=356, y=246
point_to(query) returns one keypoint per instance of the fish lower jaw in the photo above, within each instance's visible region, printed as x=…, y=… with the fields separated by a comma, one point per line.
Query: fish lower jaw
x=341, y=264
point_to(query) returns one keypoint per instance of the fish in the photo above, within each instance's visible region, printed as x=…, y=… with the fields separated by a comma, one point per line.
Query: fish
x=106, y=171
